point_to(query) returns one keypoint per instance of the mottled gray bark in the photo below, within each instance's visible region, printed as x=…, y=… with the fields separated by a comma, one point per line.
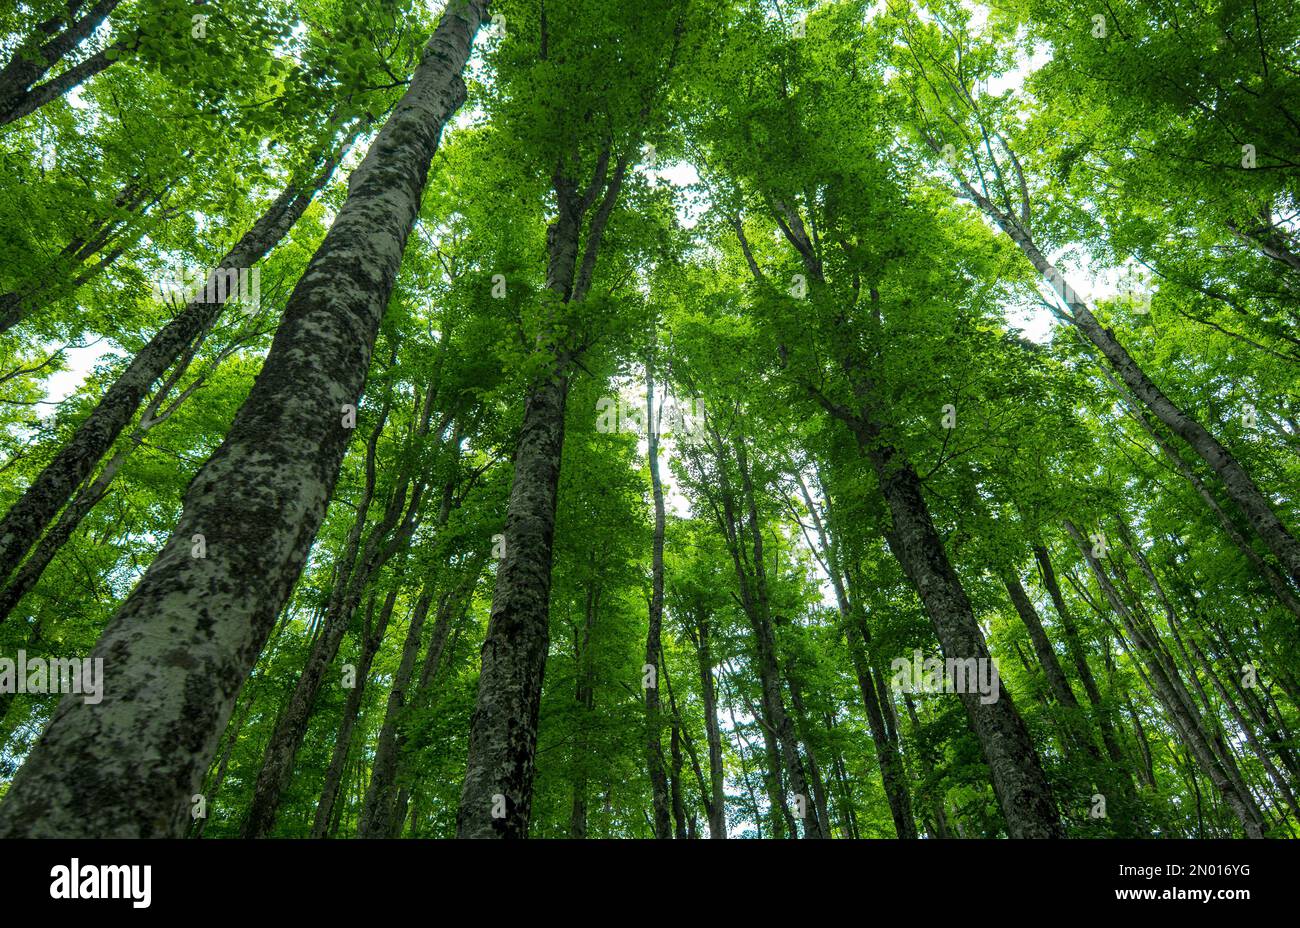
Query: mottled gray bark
x=53, y=541
x=503, y=728
x=27, y=518
x=180, y=647
x=56, y=87
x=783, y=822
x=1019, y=783
x=1018, y=780
x=351, y=571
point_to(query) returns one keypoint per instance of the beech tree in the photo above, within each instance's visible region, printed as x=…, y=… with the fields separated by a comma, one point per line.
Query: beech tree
x=819, y=420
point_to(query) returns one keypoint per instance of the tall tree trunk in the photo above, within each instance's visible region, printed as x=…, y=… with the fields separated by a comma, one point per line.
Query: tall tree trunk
x=680, y=826
x=1194, y=657
x=503, y=728
x=892, y=774
x=1211, y=725
x=709, y=697
x=737, y=519
x=184, y=641
x=58, y=86
x=372, y=640
x=783, y=821
x=452, y=609
x=1078, y=656
x=106, y=238
x=840, y=776
x=1018, y=779
x=89, y=496
x=926, y=757
x=1076, y=735
x=1043, y=649
x=376, y=819
x=352, y=576
x=653, y=649
x=760, y=617
x=376, y=811
x=1272, y=576
x=821, y=807
x=27, y=518
x=1241, y=488
x=585, y=697
x=210, y=793
x=1144, y=748
x=1182, y=713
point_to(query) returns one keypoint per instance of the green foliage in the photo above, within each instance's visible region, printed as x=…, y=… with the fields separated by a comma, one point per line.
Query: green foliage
x=830, y=262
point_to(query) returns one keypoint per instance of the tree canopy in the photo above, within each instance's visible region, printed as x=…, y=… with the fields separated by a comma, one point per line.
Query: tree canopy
x=674, y=419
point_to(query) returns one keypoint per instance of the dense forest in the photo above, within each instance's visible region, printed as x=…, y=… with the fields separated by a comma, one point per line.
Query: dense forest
x=656, y=419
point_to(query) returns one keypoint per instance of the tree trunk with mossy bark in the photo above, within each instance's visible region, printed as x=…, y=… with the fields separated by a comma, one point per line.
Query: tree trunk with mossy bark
x=180, y=647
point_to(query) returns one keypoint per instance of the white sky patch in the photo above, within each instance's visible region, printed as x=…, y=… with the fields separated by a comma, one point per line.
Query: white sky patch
x=683, y=176
x=1015, y=78
x=79, y=361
